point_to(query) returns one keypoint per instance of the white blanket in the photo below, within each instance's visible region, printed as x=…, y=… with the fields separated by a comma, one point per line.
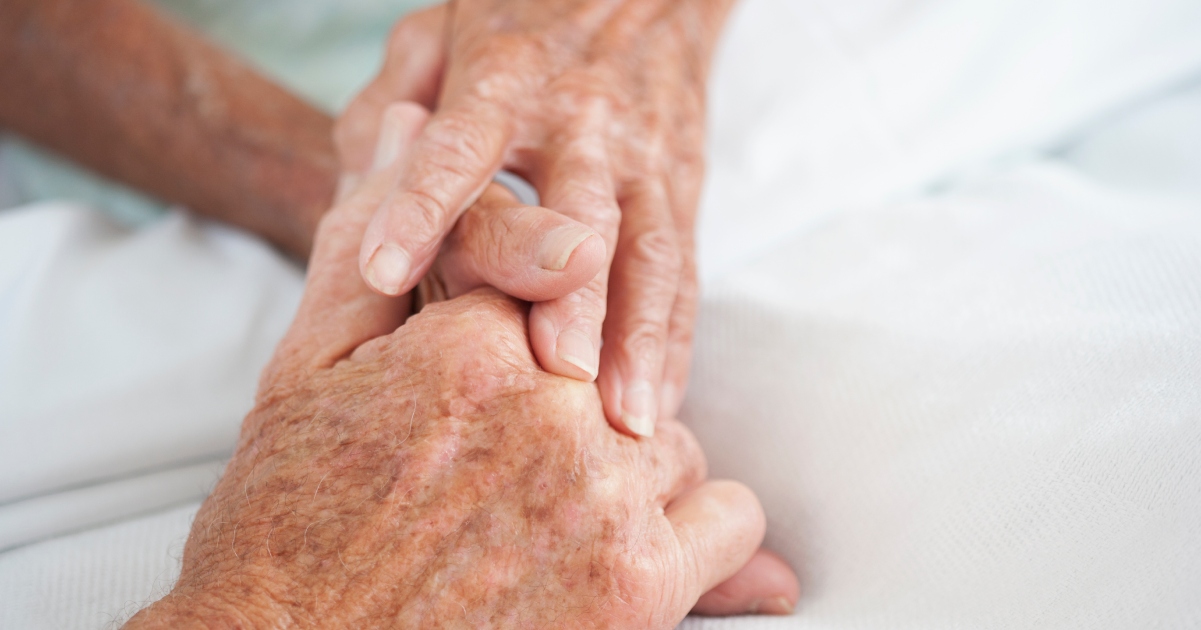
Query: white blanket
x=951, y=331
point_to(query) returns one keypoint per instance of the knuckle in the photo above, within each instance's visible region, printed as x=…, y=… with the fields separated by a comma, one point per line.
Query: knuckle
x=659, y=248
x=425, y=215
x=491, y=254
x=455, y=140
x=583, y=308
x=644, y=339
x=638, y=573
x=595, y=101
x=683, y=316
x=587, y=305
x=504, y=51
x=679, y=452
x=590, y=202
x=585, y=93
x=681, y=336
x=504, y=66
x=456, y=333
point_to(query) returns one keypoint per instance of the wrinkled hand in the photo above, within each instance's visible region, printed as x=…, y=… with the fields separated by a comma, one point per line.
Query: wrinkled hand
x=528, y=252
x=432, y=475
x=601, y=106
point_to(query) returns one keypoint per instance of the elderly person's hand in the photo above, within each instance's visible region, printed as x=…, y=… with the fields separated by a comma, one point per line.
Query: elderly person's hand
x=432, y=475
x=601, y=106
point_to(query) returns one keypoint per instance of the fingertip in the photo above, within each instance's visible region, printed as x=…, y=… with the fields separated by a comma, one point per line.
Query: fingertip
x=629, y=409
x=567, y=258
x=589, y=257
x=532, y=253
x=441, y=173
x=385, y=266
x=766, y=585
x=388, y=269
x=638, y=408
x=577, y=349
x=569, y=352
x=574, y=246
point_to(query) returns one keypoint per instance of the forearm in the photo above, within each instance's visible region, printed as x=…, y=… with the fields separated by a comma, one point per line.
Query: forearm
x=120, y=88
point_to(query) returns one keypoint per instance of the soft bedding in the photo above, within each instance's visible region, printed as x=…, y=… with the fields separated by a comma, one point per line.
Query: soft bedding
x=950, y=334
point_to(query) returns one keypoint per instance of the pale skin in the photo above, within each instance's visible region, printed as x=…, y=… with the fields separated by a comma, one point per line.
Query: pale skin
x=247, y=152
x=433, y=475
x=601, y=106
x=124, y=90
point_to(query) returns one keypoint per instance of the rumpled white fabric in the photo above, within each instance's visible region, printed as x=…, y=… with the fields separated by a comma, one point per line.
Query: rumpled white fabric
x=951, y=330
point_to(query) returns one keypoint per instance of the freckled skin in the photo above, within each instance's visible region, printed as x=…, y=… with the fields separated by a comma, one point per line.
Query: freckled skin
x=601, y=105
x=444, y=482
x=427, y=473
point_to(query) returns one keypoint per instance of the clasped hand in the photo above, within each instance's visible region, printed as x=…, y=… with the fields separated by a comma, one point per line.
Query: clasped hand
x=601, y=106
x=432, y=475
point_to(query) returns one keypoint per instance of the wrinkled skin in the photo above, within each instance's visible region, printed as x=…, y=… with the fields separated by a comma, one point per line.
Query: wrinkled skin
x=432, y=475
x=481, y=491
x=601, y=105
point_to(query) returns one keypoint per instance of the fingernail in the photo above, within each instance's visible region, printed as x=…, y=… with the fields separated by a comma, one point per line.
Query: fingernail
x=556, y=247
x=771, y=606
x=638, y=408
x=577, y=349
x=388, y=269
x=387, y=147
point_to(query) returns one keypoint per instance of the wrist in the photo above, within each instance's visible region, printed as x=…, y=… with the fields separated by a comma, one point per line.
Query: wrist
x=187, y=609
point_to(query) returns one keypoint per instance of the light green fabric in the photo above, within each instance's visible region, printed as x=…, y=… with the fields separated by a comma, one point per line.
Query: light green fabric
x=324, y=50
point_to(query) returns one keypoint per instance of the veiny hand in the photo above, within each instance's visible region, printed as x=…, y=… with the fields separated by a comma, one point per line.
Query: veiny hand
x=601, y=106
x=434, y=476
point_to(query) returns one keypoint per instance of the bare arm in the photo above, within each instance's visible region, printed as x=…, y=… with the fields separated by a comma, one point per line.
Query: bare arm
x=124, y=90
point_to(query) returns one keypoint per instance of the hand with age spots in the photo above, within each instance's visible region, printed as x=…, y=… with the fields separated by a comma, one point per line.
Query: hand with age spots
x=600, y=104
x=432, y=475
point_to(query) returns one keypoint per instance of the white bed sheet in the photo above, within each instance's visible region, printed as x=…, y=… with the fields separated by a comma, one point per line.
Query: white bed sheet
x=953, y=342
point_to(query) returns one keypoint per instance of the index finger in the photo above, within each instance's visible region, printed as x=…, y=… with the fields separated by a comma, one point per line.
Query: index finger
x=452, y=162
x=338, y=311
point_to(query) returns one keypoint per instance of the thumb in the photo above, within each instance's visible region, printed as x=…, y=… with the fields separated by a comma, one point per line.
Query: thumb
x=719, y=525
x=765, y=585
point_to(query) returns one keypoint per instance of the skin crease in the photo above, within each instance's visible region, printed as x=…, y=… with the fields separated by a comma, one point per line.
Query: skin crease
x=601, y=106
x=432, y=475
x=492, y=495
x=604, y=114
x=253, y=155
x=207, y=131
